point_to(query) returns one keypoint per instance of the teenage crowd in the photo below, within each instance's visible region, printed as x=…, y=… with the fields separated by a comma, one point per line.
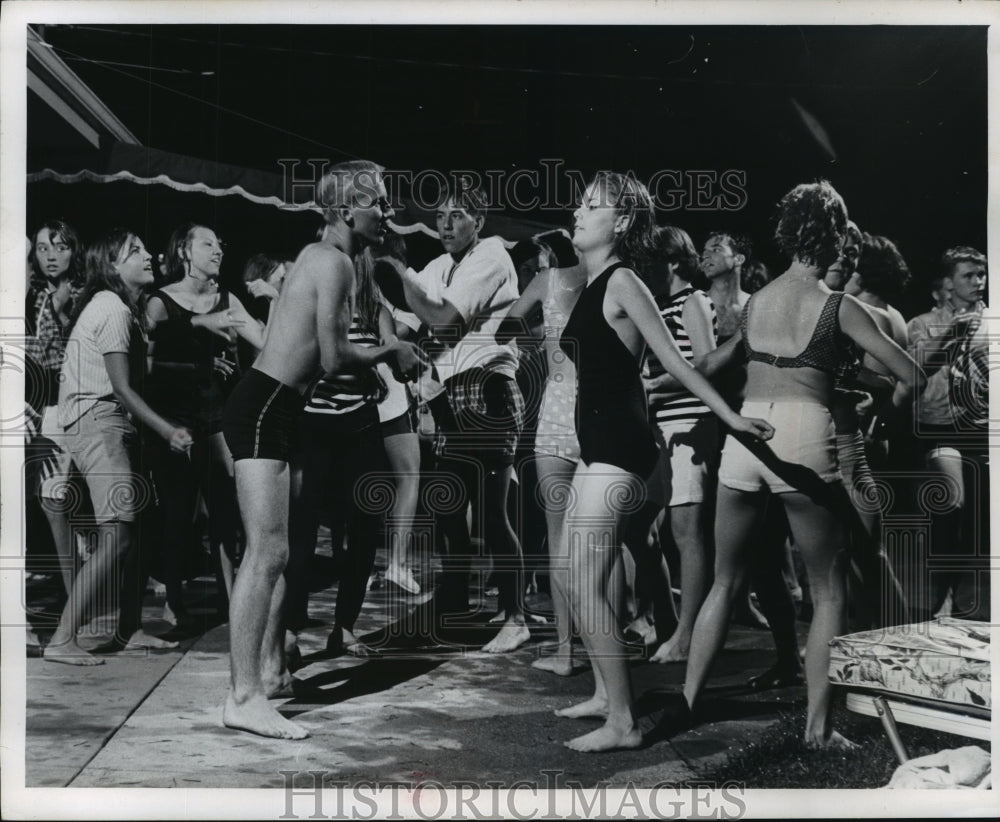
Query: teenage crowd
x=729, y=429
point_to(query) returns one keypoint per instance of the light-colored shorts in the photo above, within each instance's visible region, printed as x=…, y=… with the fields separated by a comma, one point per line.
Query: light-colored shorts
x=804, y=448
x=47, y=465
x=397, y=399
x=689, y=453
x=101, y=444
x=555, y=435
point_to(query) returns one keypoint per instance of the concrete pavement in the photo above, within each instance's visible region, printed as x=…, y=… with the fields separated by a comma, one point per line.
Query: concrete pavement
x=427, y=710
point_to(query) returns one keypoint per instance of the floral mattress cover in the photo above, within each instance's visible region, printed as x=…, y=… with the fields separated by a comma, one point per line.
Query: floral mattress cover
x=947, y=660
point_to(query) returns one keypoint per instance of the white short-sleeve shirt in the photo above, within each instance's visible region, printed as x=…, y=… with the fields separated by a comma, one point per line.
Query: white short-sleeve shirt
x=105, y=326
x=482, y=288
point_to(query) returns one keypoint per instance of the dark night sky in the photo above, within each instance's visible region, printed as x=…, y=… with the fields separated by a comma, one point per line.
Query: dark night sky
x=904, y=108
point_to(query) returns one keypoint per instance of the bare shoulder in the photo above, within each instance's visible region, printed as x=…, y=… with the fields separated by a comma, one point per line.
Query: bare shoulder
x=853, y=311
x=540, y=285
x=896, y=317
x=319, y=256
x=319, y=263
x=235, y=302
x=850, y=303
x=698, y=301
x=898, y=325
x=625, y=287
x=624, y=280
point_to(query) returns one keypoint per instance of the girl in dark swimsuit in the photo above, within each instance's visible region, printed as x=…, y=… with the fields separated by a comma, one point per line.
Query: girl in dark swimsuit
x=193, y=327
x=612, y=321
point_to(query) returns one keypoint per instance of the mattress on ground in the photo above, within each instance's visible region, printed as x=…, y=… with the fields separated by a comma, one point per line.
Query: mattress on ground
x=946, y=660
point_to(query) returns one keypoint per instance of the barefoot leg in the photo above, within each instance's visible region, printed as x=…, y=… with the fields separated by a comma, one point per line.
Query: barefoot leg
x=403, y=452
x=554, y=665
x=819, y=533
x=739, y=514
x=505, y=551
x=594, y=539
x=141, y=640
x=258, y=716
x=273, y=672
x=69, y=653
x=512, y=636
x=98, y=573
x=688, y=528
x=555, y=478
x=262, y=486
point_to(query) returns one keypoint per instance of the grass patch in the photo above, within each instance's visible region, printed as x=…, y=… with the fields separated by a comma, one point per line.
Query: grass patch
x=779, y=759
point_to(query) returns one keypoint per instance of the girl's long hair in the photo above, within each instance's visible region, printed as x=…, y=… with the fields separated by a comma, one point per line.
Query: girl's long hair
x=102, y=276
x=69, y=236
x=636, y=245
x=178, y=253
x=674, y=245
x=260, y=266
x=367, y=296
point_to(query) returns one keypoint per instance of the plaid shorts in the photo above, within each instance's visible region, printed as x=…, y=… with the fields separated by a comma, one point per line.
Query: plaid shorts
x=480, y=415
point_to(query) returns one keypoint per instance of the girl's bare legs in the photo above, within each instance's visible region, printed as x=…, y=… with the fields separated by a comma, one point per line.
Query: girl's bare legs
x=403, y=451
x=98, y=575
x=735, y=524
x=687, y=523
x=819, y=533
x=642, y=539
x=223, y=510
x=603, y=493
x=62, y=537
x=555, y=485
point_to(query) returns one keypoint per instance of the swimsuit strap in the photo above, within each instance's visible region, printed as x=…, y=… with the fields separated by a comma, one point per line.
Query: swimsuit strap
x=821, y=352
x=173, y=307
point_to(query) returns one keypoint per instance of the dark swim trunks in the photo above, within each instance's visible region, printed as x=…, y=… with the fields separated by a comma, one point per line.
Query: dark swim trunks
x=261, y=418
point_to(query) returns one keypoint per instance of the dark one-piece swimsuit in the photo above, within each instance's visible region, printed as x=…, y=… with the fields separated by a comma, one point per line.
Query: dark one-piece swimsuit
x=611, y=418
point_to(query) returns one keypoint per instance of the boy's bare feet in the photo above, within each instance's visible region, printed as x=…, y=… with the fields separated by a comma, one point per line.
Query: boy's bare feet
x=258, y=716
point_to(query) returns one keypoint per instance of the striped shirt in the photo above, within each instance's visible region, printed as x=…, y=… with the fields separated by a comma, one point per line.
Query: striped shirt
x=682, y=405
x=349, y=390
x=105, y=326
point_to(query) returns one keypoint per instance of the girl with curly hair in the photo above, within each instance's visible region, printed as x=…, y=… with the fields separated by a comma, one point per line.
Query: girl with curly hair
x=799, y=339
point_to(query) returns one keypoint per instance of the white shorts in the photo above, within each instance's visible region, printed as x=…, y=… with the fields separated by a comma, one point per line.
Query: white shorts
x=397, y=400
x=804, y=448
x=50, y=462
x=688, y=454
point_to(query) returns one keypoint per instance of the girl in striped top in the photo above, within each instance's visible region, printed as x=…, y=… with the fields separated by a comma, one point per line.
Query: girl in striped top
x=686, y=431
